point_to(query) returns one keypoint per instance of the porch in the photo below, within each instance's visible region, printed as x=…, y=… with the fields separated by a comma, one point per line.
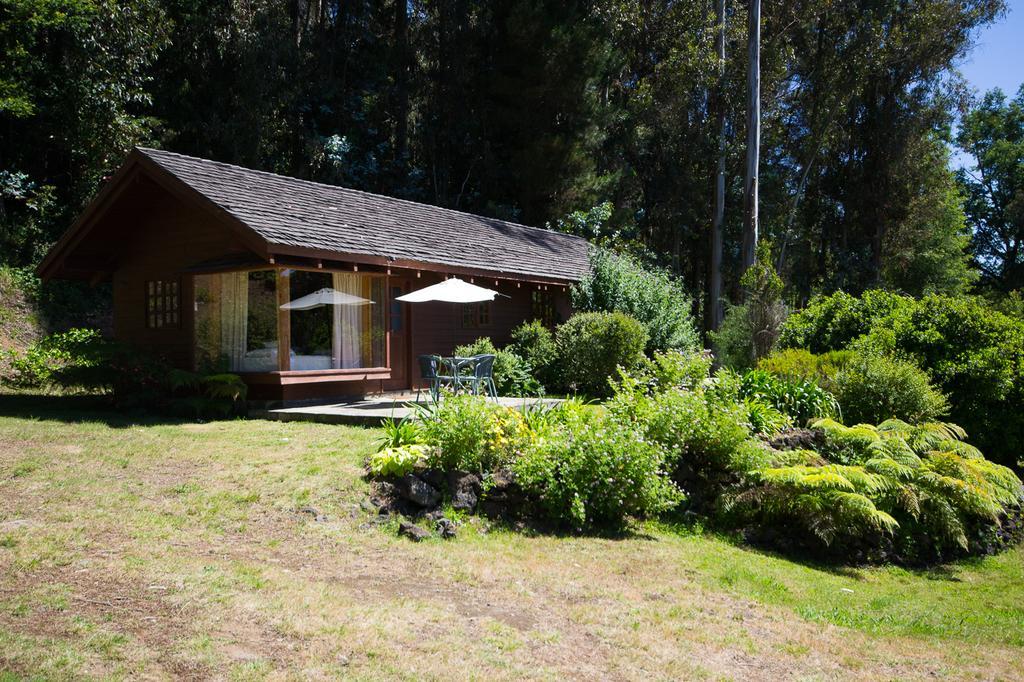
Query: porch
x=367, y=410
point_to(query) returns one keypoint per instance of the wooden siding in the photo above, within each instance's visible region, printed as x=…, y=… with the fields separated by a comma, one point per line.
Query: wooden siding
x=437, y=328
x=155, y=237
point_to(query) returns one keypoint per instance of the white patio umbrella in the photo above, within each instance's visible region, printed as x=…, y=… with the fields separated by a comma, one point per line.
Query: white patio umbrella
x=326, y=296
x=452, y=290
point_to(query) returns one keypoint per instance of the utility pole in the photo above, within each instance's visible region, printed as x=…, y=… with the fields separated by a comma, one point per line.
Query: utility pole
x=714, y=303
x=750, y=226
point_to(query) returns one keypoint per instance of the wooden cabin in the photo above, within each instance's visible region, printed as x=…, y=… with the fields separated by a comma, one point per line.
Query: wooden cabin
x=208, y=262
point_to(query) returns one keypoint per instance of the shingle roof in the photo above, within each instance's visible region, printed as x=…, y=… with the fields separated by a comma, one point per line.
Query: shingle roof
x=299, y=213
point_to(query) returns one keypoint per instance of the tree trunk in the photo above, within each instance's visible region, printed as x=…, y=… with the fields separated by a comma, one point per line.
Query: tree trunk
x=750, y=228
x=713, y=317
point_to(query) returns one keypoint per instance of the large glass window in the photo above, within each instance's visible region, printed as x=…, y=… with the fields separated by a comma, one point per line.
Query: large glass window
x=336, y=321
x=236, y=321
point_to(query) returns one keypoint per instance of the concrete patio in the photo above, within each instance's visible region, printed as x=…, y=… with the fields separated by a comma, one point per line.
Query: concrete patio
x=368, y=411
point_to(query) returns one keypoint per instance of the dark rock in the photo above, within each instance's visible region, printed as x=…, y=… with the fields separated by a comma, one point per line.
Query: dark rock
x=433, y=477
x=434, y=515
x=418, y=491
x=382, y=493
x=798, y=439
x=412, y=531
x=465, y=489
x=400, y=506
x=462, y=480
x=314, y=512
x=464, y=500
x=503, y=499
x=445, y=528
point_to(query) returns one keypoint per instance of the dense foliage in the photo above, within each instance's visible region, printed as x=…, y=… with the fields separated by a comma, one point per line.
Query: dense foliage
x=620, y=283
x=971, y=352
x=674, y=435
x=750, y=330
x=800, y=398
x=591, y=471
x=592, y=346
x=992, y=134
x=535, y=344
x=524, y=109
x=82, y=361
x=913, y=491
x=874, y=388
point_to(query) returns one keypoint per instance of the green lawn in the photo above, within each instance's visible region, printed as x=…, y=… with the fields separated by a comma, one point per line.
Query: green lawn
x=176, y=550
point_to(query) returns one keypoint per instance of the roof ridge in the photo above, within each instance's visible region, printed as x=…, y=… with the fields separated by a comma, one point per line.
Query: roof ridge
x=148, y=150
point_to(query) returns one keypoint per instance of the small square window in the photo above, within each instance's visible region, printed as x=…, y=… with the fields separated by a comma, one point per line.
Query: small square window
x=476, y=315
x=162, y=304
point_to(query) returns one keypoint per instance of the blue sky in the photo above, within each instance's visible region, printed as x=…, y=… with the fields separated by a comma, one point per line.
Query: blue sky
x=997, y=59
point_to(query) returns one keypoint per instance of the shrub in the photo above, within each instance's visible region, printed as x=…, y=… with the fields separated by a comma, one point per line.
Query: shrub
x=732, y=341
x=971, y=352
x=595, y=472
x=750, y=331
x=704, y=428
x=398, y=461
x=872, y=389
x=800, y=399
x=650, y=295
x=833, y=322
x=512, y=373
x=81, y=360
x=591, y=347
x=797, y=364
x=457, y=426
x=916, y=490
x=471, y=433
x=535, y=343
x=37, y=366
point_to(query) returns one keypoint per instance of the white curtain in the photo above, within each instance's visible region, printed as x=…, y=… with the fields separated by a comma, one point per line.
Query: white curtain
x=348, y=323
x=234, y=313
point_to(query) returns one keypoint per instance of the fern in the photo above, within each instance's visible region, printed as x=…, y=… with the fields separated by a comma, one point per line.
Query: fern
x=921, y=480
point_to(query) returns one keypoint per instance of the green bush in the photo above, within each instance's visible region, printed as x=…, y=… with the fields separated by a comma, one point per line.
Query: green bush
x=652, y=296
x=704, y=427
x=732, y=342
x=797, y=364
x=457, y=427
x=398, y=461
x=873, y=388
x=82, y=361
x=37, y=366
x=801, y=399
x=535, y=344
x=832, y=322
x=591, y=347
x=595, y=472
x=513, y=375
x=971, y=352
x=750, y=331
x=472, y=433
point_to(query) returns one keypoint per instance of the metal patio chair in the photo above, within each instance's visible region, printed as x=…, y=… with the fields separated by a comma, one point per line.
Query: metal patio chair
x=483, y=376
x=430, y=371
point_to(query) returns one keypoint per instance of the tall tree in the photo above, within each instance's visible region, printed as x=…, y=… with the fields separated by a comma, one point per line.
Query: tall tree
x=750, y=194
x=992, y=133
x=713, y=304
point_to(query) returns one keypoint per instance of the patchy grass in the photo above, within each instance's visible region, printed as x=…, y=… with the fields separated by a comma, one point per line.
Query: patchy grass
x=170, y=550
